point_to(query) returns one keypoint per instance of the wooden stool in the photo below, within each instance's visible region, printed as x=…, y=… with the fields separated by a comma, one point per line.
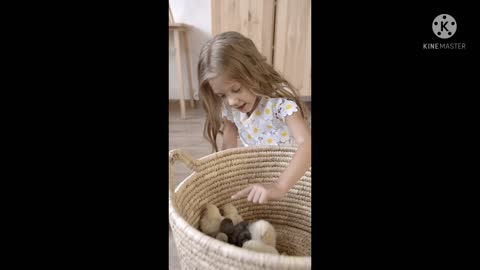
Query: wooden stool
x=181, y=29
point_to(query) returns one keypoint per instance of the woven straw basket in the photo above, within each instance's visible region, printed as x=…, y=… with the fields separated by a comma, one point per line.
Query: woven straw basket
x=216, y=177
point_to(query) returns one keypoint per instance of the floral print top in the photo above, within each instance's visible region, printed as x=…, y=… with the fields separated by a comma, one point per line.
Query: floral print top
x=266, y=125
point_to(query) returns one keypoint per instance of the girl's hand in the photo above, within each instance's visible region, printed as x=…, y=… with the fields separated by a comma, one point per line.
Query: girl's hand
x=261, y=193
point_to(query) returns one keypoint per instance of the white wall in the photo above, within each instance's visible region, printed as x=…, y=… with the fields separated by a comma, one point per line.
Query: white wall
x=197, y=14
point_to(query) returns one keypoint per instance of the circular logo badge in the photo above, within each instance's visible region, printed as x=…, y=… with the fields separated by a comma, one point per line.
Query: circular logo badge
x=444, y=26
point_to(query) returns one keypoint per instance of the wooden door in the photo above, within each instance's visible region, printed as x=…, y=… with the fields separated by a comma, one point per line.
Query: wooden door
x=292, y=44
x=252, y=18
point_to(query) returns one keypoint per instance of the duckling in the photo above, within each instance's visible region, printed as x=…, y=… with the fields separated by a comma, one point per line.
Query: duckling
x=222, y=237
x=211, y=219
x=260, y=246
x=243, y=237
x=264, y=231
x=229, y=211
x=226, y=226
x=240, y=234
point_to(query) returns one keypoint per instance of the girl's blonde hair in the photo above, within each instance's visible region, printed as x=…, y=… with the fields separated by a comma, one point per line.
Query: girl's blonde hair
x=233, y=55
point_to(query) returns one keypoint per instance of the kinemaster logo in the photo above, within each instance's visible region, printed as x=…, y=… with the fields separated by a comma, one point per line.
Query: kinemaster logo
x=444, y=27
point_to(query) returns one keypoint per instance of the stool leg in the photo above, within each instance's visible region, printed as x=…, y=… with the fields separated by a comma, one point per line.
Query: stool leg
x=189, y=73
x=180, y=73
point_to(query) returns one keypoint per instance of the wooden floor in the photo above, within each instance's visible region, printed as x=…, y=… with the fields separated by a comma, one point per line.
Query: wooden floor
x=186, y=135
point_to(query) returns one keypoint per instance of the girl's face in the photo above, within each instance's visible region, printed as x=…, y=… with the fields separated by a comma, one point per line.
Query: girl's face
x=233, y=94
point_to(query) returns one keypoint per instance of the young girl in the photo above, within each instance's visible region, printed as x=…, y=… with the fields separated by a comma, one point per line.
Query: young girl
x=245, y=94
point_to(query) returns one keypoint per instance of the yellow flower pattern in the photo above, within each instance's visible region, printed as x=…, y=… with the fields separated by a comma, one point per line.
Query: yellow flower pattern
x=266, y=126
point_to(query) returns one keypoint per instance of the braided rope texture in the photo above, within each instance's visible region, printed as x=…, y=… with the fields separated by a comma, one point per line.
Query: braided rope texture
x=215, y=178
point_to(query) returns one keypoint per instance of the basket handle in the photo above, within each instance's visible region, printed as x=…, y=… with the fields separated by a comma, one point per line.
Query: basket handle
x=179, y=154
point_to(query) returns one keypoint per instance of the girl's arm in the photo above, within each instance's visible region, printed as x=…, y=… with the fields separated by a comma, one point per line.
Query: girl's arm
x=300, y=163
x=301, y=160
x=230, y=134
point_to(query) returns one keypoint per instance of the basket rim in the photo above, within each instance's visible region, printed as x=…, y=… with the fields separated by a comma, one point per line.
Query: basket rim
x=229, y=250
x=226, y=152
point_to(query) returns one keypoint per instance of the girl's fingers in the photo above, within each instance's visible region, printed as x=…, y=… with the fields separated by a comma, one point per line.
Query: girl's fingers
x=242, y=193
x=251, y=194
x=256, y=197
x=263, y=198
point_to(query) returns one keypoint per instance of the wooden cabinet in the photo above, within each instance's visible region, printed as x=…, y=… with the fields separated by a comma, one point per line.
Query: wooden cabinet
x=280, y=29
x=292, y=44
x=252, y=18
